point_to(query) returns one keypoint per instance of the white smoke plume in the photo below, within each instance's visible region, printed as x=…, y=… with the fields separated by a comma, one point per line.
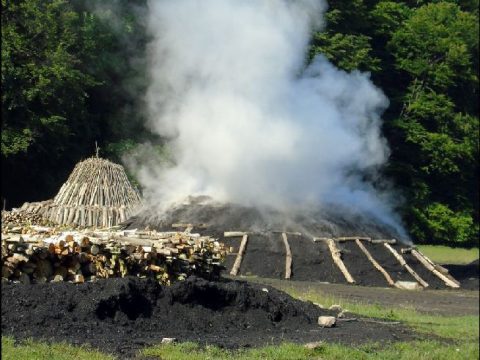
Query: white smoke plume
x=249, y=122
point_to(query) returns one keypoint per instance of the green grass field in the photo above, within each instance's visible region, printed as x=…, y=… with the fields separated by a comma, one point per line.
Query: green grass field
x=448, y=255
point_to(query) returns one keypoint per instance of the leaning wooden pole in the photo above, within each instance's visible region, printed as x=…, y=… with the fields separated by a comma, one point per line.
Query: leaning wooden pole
x=338, y=260
x=288, y=258
x=439, y=268
x=375, y=263
x=402, y=262
x=241, y=251
x=429, y=266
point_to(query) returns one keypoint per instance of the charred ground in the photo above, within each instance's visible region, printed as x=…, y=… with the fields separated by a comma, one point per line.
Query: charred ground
x=123, y=315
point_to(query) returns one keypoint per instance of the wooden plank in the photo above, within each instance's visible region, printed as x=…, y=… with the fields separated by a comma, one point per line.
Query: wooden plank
x=241, y=252
x=402, y=262
x=338, y=261
x=453, y=284
x=288, y=259
x=375, y=263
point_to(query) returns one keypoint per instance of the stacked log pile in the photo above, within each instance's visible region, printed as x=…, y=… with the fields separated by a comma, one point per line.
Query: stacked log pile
x=38, y=254
x=14, y=221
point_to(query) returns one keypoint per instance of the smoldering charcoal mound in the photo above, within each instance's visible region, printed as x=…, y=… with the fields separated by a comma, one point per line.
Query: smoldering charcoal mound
x=124, y=314
x=265, y=253
x=333, y=221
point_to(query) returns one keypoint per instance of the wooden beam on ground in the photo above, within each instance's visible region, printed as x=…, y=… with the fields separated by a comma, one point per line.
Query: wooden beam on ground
x=375, y=263
x=241, y=251
x=185, y=225
x=439, y=268
x=449, y=282
x=381, y=241
x=338, y=260
x=288, y=259
x=344, y=238
x=402, y=262
x=353, y=238
x=287, y=232
x=234, y=233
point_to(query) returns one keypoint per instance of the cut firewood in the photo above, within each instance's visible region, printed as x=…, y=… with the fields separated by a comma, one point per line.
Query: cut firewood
x=78, y=256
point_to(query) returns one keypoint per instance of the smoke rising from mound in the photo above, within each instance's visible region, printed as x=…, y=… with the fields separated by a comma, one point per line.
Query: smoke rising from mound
x=249, y=122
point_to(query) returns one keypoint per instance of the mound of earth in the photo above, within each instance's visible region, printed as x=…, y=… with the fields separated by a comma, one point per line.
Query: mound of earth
x=311, y=261
x=218, y=217
x=122, y=315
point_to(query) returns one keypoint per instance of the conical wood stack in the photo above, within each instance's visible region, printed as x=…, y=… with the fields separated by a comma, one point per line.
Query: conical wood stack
x=97, y=193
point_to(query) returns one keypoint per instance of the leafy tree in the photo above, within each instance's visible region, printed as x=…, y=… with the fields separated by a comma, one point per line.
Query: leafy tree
x=436, y=48
x=45, y=122
x=43, y=85
x=424, y=55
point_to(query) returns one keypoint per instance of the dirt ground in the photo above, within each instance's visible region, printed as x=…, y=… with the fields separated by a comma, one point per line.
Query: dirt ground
x=123, y=315
x=444, y=302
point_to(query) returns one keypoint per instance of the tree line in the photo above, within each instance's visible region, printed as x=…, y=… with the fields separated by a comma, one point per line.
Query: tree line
x=73, y=72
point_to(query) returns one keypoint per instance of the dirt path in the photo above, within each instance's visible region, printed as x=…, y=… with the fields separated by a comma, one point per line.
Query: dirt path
x=444, y=302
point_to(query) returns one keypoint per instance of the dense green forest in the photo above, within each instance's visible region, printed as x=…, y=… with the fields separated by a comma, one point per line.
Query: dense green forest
x=73, y=73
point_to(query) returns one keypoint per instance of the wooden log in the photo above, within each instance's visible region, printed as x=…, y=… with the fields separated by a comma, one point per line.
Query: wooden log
x=71, y=215
x=238, y=260
x=288, y=259
x=402, y=262
x=375, y=263
x=27, y=238
x=439, y=268
x=317, y=239
x=352, y=238
x=287, y=232
x=338, y=261
x=234, y=233
x=381, y=241
x=453, y=284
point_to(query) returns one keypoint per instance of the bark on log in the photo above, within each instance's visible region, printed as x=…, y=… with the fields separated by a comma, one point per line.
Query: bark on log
x=238, y=260
x=375, y=263
x=338, y=261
